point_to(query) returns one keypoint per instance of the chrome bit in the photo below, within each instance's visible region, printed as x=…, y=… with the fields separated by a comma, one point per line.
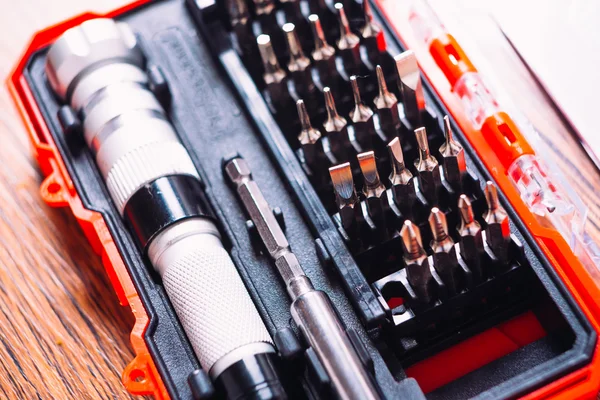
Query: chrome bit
x=299, y=64
x=417, y=265
x=445, y=260
x=410, y=86
x=497, y=230
x=453, y=157
x=336, y=128
x=348, y=43
x=386, y=105
x=374, y=190
x=471, y=240
x=274, y=76
x=345, y=196
x=403, y=188
x=372, y=35
x=323, y=54
x=309, y=138
x=361, y=117
x=428, y=169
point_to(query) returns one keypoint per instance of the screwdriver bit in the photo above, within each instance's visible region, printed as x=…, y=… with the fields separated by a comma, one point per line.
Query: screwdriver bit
x=372, y=35
x=428, y=169
x=374, y=190
x=336, y=128
x=264, y=7
x=345, y=196
x=417, y=264
x=386, y=105
x=471, y=240
x=445, y=260
x=361, y=117
x=323, y=54
x=348, y=44
x=403, y=188
x=453, y=157
x=274, y=76
x=239, y=17
x=497, y=230
x=410, y=86
x=309, y=138
x=299, y=64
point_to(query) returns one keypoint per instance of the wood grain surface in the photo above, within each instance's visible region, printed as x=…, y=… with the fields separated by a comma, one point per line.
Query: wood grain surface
x=62, y=332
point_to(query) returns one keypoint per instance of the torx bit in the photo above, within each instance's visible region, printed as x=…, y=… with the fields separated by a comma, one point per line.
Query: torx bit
x=336, y=128
x=403, y=188
x=361, y=117
x=323, y=54
x=299, y=64
x=445, y=260
x=239, y=17
x=274, y=76
x=471, y=240
x=428, y=169
x=417, y=265
x=453, y=157
x=386, y=105
x=348, y=44
x=373, y=190
x=497, y=229
x=372, y=35
x=309, y=138
x=345, y=196
x=410, y=86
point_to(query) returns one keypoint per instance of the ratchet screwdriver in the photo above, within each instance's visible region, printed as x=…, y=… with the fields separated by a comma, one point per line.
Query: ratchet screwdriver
x=311, y=309
x=98, y=69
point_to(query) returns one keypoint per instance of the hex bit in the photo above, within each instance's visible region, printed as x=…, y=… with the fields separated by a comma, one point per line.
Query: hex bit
x=453, y=158
x=428, y=169
x=386, y=106
x=373, y=190
x=497, y=229
x=403, y=188
x=410, y=86
x=471, y=238
x=336, y=128
x=345, y=196
x=445, y=260
x=362, y=117
x=417, y=264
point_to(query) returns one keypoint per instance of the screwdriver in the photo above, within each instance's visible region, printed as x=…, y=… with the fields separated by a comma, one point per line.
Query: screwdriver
x=497, y=229
x=386, y=106
x=311, y=309
x=348, y=44
x=403, y=189
x=336, y=128
x=471, y=240
x=410, y=87
x=361, y=117
x=453, y=157
x=445, y=261
x=154, y=185
x=374, y=191
x=417, y=264
x=345, y=196
x=274, y=76
x=428, y=169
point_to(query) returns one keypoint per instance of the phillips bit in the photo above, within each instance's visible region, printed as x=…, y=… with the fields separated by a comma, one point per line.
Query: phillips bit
x=323, y=54
x=372, y=35
x=410, y=86
x=453, y=157
x=348, y=43
x=299, y=64
x=336, y=128
x=309, y=138
x=239, y=17
x=471, y=240
x=497, y=230
x=386, y=105
x=374, y=190
x=428, y=169
x=361, y=117
x=417, y=265
x=345, y=196
x=445, y=260
x=403, y=188
x=274, y=76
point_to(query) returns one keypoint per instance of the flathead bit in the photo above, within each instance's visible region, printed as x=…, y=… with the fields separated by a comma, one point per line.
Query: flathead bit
x=410, y=86
x=299, y=64
x=336, y=128
x=417, y=265
x=403, y=188
x=386, y=105
x=453, y=157
x=374, y=190
x=471, y=240
x=274, y=76
x=445, y=260
x=428, y=169
x=309, y=137
x=264, y=7
x=348, y=43
x=345, y=195
x=372, y=35
x=497, y=230
x=323, y=54
x=361, y=117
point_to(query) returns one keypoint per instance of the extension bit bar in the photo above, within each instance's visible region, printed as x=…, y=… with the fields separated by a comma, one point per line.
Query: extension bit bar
x=311, y=309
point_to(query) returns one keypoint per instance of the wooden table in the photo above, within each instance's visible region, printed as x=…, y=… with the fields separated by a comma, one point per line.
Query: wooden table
x=62, y=332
